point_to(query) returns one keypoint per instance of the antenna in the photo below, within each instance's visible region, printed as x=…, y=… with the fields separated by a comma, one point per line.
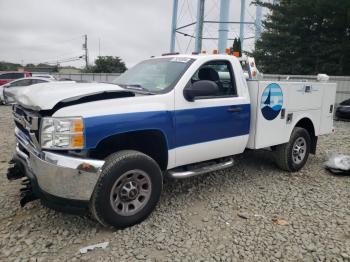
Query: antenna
x=99, y=47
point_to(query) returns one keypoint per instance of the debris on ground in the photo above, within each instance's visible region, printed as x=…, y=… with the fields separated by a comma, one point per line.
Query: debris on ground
x=339, y=164
x=243, y=215
x=103, y=245
x=280, y=221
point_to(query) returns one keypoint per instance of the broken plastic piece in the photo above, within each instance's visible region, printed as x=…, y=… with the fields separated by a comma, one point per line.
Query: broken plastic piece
x=103, y=245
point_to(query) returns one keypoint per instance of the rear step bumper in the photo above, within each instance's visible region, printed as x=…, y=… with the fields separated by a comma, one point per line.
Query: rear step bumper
x=205, y=168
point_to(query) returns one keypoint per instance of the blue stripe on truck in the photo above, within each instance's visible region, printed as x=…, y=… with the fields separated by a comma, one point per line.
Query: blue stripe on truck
x=180, y=127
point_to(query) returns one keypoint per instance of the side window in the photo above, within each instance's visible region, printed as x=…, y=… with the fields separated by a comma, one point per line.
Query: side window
x=17, y=75
x=11, y=75
x=221, y=73
x=17, y=83
x=24, y=82
x=38, y=81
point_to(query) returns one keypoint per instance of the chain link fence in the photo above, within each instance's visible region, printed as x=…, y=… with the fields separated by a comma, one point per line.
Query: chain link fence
x=88, y=77
x=343, y=82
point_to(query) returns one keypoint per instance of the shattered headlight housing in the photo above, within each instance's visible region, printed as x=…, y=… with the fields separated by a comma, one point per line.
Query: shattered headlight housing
x=62, y=133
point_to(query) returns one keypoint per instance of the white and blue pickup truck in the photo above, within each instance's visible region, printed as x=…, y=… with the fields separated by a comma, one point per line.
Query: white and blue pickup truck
x=105, y=148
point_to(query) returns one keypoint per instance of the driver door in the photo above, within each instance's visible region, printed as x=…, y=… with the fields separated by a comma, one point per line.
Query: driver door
x=215, y=126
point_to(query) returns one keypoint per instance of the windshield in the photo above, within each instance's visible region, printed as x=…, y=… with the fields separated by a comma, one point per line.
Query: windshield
x=154, y=75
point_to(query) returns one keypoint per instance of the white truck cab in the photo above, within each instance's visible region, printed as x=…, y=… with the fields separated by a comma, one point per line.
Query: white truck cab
x=105, y=148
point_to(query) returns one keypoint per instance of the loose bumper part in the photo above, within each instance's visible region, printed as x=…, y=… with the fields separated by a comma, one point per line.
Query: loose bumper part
x=52, y=176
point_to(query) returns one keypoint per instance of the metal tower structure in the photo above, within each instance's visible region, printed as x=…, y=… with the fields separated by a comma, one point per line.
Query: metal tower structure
x=173, y=26
x=199, y=26
x=241, y=25
x=258, y=16
x=223, y=25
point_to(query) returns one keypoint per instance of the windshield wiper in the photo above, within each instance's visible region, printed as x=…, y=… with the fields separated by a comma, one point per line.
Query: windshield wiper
x=136, y=87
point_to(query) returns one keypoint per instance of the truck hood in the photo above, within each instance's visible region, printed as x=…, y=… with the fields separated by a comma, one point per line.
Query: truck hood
x=47, y=95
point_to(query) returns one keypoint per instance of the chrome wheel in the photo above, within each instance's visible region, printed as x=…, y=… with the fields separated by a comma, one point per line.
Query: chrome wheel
x=131, y=192
x=299, y=150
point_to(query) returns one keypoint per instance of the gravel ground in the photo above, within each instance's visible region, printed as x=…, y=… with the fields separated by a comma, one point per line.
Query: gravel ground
x=251, y=212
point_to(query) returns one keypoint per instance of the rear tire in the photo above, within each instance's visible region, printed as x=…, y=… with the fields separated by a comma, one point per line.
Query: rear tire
x=128, y=189
x=293, y=155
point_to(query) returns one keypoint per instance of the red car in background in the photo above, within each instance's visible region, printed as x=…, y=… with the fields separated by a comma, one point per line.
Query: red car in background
x=8, y=76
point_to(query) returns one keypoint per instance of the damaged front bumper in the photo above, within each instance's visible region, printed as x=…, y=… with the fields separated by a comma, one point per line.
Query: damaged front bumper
x=60, y=181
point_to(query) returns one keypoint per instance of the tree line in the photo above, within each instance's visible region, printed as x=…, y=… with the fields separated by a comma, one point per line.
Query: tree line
x=103, y=64
x=305, y=37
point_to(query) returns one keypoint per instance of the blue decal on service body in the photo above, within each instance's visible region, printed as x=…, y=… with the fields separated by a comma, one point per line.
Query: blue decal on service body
x=271, y=101
x=180, y=127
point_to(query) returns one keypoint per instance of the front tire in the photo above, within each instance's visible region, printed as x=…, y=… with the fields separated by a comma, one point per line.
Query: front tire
x=293, y=155
x=128, y=189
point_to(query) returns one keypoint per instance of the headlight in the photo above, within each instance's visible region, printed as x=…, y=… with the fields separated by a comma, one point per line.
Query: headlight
x=62, y=133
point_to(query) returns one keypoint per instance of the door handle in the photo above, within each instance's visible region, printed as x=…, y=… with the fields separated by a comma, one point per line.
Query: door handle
x=234, y=109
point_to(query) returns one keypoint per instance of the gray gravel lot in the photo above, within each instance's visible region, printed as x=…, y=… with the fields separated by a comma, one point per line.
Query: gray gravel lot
x=231, y=215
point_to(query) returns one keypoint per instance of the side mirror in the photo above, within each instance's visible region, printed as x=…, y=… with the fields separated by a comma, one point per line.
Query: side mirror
x=201, y=88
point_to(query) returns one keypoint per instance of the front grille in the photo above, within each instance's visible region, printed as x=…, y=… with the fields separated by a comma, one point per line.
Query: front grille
x=23, y=149
x=25, y=131
x=27, y=122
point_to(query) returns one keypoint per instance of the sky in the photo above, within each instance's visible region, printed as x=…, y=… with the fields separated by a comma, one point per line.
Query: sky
x=40, y=31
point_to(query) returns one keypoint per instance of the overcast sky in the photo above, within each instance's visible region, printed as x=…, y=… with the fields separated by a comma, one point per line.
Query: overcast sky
x=49, y=30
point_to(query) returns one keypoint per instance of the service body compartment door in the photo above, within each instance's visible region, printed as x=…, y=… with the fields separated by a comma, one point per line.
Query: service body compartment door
x=329, y=93
x=304, y=96
x=268, y=105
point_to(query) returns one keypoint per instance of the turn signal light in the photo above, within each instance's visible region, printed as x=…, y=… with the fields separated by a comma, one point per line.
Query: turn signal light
x=78, y=125
x=77, y=141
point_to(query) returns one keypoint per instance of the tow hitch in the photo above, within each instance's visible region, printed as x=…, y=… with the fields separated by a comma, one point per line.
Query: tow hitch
x=16, y=172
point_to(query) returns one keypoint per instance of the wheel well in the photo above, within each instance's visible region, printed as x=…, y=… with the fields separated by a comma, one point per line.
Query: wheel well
x=149, y=142
x=307, y=124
